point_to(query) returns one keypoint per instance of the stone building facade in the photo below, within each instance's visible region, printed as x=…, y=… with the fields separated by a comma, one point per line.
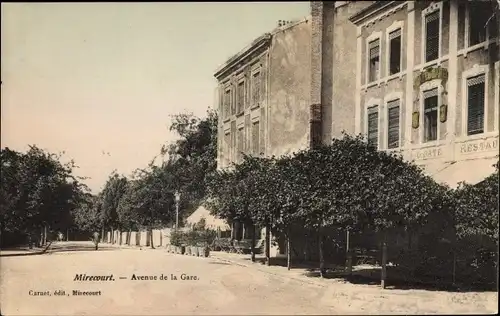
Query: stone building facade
x=427, y=84
x=263, y=95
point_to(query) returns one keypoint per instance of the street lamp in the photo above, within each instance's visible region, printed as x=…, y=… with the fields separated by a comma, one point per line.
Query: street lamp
x=177, y=199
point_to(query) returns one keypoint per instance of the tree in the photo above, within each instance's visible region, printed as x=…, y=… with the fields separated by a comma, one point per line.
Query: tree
x=148, y=201
x=192, y=157
x=113, y=191
x=38, y=191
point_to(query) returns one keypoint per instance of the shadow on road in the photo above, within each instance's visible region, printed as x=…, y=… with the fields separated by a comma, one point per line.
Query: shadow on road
x=396, y=279
x=56, y=248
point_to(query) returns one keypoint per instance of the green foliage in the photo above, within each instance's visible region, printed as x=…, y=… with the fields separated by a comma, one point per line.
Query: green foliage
x=192, y=157
x=37, y=189
x=113, y=191
x=148, y=200
x=477, y=208
x=199, y=238
x=347, y=184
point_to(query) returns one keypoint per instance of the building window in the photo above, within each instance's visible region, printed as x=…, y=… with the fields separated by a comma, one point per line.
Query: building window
x=227, y=103
x=432, y=36
x=240, y=105
x=373, y=126
x=255, y=138
x=430, y=115
x=393, y=124
x=475, y=105
x=478, y=17
x=255, y=88
x=374, y=61
x=395, y=52
x=227, y=148
x=240, y=144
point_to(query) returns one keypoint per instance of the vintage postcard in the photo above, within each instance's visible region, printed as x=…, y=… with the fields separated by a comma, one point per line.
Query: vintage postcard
x=250, y=158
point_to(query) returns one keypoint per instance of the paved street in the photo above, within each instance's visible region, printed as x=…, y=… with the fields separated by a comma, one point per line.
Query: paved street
x=221, y=288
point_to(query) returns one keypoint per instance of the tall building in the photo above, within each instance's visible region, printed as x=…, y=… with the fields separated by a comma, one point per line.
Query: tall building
x=427, y=84
x=263, y=95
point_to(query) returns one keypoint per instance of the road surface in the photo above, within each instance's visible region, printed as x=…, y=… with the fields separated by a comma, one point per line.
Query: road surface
x=200, y=286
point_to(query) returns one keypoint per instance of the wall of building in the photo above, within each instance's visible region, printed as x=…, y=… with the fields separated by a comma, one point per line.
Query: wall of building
x=289, y=89
x=242, y=123
x=458, y=62
x=339, y=69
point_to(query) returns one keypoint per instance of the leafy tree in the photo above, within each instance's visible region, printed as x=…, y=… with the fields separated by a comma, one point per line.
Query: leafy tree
x=113, y=191
x=192, y=157
x=38, y=191
x=148, y=201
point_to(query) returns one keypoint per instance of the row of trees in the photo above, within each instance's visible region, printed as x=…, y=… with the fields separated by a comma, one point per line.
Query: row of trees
x=146, y=200
x=37, y=191
x=349, y=185
x=39, y=194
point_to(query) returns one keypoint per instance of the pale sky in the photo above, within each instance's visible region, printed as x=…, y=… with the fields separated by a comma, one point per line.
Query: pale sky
x=91, y=77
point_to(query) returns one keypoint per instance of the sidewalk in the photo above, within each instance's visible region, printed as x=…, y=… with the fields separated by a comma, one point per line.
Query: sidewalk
x=24, y=251
x=296, y=273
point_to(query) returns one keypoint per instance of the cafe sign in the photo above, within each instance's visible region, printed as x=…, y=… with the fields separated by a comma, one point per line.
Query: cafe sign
x=430, y=74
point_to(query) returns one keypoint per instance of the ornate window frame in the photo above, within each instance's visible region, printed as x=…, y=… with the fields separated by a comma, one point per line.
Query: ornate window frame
x=433, y=7
x=373, y=37
x=429, y=85
x=474, y=71
x=393, y=27
x=388, y=98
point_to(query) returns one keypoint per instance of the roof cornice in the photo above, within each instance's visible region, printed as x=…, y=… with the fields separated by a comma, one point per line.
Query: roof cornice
x=249, y=50
x=374, y=9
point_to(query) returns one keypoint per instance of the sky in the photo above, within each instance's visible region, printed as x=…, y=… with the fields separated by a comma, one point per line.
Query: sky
x=99, y=81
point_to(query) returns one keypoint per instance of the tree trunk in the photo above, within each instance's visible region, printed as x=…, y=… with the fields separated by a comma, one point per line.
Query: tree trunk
x=112, y=235
x=348, y=254
x=45, y=235
x=253, y=242
x=67, y=234
x=306, y=239
x=288, y=250
x=268, y=245
x=40, y=243
x=102, y=234
x=384, y=262
x=322, y=271
x=151, y=238
x=232, y=231
x=120, y=237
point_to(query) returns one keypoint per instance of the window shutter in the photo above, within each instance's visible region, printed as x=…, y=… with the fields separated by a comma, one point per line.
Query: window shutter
x=393, y=124
x=432, y=36
x=475, y=105
x=374, y=49
x=396, y=33
x=373, y=127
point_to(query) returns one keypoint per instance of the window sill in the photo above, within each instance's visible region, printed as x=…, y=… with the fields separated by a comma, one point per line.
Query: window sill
x=430, y=144
x=255, y=106
x=372, y=84
x=398, y=75
x=435, y=62
x=484, y=45
x=464, y=139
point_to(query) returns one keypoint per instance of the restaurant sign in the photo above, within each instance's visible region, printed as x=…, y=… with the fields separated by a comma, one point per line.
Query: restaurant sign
x=430, y=74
